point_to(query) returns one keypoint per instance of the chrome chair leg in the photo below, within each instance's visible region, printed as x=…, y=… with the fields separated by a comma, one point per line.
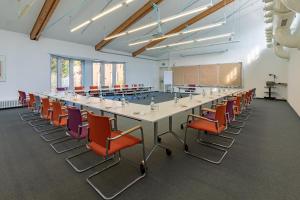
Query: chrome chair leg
x=187, y=151
x=234, y=132
x=57, y=130
x=86, y=168
x=201, y=141
x=89, y=180
x=67, y=149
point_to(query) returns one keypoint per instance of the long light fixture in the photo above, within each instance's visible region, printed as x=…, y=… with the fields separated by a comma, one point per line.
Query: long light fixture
x=193, y=41
x=179, y=33
x=102, y=14
x=162, y=21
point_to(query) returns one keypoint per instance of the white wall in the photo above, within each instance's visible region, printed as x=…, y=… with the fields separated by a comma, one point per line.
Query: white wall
x=28, y=63
x=294, y=80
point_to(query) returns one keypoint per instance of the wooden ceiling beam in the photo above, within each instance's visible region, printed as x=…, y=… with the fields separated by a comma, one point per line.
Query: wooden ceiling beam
x=182, y=26
x=147, y=8
x=43, y=18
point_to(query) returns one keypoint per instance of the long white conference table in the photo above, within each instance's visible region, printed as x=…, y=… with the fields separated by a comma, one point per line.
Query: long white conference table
x=144, y=113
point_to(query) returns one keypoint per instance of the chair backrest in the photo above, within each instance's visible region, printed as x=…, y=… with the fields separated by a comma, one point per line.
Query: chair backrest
x=229, y=109
x=134, y=85
x=117, y=88
x=45, y=107
x=220, y=114
x=22, y=97
x=61, y=89
x=93, y=87
x=99, y=129
x=237, y=102
x=31, y=100
x=37, y=101
x=125, y=86
x=74, y=119
x=56, y=106
x=79, y=88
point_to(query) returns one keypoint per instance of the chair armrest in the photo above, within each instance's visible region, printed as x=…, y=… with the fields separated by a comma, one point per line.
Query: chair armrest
x=82, y=126
x=208, y=110
x=200, y=117
x=50, y=111
x=127, y=132
x=60, y=117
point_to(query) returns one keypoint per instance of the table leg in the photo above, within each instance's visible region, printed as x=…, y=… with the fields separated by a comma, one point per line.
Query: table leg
x=116, y=121
x=155, y=145
x=182, y=124
x=171, y=131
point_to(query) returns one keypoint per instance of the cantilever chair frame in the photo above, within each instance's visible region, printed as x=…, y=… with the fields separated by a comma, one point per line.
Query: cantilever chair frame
x=68, y=159
x=207, y=144
x=143, y=165
x=80, y=127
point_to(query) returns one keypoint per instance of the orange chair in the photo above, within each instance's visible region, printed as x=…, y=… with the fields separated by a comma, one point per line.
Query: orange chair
x=58, y=120
x=107, y=143
x=31, y=102
x=212, y=127
x=45, y=115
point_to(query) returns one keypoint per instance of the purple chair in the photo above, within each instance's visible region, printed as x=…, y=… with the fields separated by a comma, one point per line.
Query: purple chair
x=75, y=129
x=230, y=117
x=61, y=89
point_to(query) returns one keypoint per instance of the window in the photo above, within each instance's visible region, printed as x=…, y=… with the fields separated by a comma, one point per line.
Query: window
x=108, y=75
x=70, y=73
x=120, y=74
x=53, y=76
x=96, y=74
x=77, y=73
x=65, y=73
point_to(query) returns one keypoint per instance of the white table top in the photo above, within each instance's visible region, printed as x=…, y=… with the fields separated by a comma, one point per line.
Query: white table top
x=142, y=112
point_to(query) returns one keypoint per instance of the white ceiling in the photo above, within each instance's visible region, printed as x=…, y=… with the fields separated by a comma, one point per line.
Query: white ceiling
x=70, y=13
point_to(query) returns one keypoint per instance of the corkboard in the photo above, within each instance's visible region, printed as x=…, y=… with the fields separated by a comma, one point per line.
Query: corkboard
x=228, y=74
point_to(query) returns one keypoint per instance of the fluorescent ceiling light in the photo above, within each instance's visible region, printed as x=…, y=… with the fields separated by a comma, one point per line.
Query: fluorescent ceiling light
x=81, y=25
x=181, y=43
x=102, y=14
x=162, y=21
x=185, y=14
x=107, y=12
x=215, y=37
x=179, y=33
x=193, y=41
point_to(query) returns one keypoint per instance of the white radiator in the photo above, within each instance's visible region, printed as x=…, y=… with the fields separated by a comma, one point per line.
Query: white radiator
x=9, y=104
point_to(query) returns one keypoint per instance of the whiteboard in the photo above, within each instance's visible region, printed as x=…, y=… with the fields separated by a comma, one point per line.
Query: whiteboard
x=168, y=77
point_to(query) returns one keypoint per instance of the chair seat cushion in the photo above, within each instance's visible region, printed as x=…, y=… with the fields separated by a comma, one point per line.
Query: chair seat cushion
x=115, y=145
x=205, y=125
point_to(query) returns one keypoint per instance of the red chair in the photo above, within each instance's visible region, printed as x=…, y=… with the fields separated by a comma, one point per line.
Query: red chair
x=29, y=103
x=23, y=100
x=106, y=143
x=212, y=127
x=94, y=91
x=117, y=90
x=79, y=90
